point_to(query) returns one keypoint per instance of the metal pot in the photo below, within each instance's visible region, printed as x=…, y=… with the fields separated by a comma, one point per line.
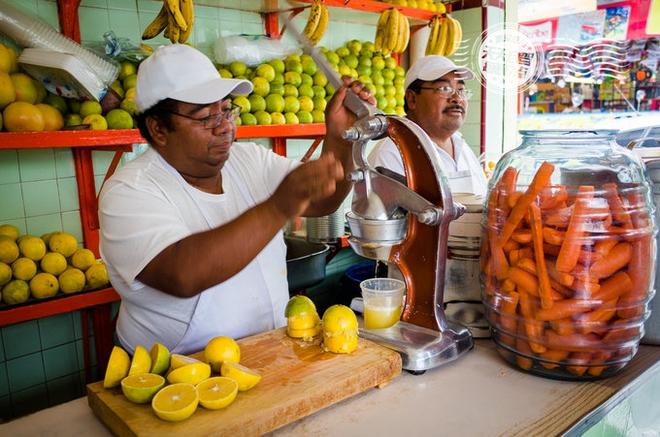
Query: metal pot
x=305, y=263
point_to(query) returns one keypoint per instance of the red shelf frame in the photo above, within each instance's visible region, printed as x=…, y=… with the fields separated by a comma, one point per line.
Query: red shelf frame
x=378, y=7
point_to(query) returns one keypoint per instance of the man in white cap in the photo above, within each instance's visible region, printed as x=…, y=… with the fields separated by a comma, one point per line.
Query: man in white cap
x=437, y=100
x=191, y=230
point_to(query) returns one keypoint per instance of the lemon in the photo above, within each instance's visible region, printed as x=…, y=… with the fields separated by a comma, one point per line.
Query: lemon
x=53, y=263
x=15, y=292
x=141, y=388
x=71, y=280
x=190, y=373
x=221, y=349
x=5, y=274
x=89, y=107
x=63, y=243
x=8, y=250
x=44, y=285
x=127, y=68
x=306, y=334
x=339, y=318
x=160, y=358
x=83, y=259
x=117, y=369
x=32, y=247
x=245, y=378
x=24, y=268
x=178, y=360
x=9, y=231
x=216, y=393
x=175, y=402
x=141, y=362
x=97, y=276
x=344, y=343
x=299, y=306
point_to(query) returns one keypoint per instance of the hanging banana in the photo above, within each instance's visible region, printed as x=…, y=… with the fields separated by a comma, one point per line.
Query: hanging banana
x=176, y=18
x=380, y=29
x=433, y=36
x=317, y=23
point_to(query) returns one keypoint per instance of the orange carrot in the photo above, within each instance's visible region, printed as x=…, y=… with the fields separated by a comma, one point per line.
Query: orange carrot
x=619, y=212
x=573, y=343
x=545, y=290
x=528, y=265
x=564, y=291
x=599, y=357
x=506, y=186
x=498, y=261
x=509, y=246
x=603, y=247
x=533, y=328
x=562, y=278
x=565, y=308
x=508, y=286
x=613, y=287
x=540, y=180
x=522, y=236
x=517, y=254
x=622, y=331
x=550, y=358
x=553, y=196
x=572, y=244
x=563, y=326
x=513, y=198
x=579, y=362
x=523, y=350
x=508, y=318
x=586, y=257
x=584, y=288
x=615, y=260
x=553, y=236
x=559, y=218
x=525, y=281
x=592, y=321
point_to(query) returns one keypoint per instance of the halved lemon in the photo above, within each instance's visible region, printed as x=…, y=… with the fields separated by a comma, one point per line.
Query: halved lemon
x=141, y=388
x=117, y=369
x=190, y=373
x=178, y=360
x=305, y=334
x=217, y=392
x=141, y=362
x=343, y=343
x=221, y=349
x=160, y=358
x=175, y=402
x=245, y=378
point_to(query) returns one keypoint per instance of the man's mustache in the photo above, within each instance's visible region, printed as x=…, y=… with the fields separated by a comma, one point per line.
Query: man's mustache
x=455, y=107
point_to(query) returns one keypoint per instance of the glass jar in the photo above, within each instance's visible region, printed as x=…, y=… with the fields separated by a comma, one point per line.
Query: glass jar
x=568, y=254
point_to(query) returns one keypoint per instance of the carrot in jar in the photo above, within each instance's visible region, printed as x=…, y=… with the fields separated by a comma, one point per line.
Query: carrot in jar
x=524, y=281
x=564, y=279
x=563, y=326
x=550, y=358
x=510, y=245
x=565, y=308
x=559, y=218
x=528, y=265
x=506, y=186
x=553, y=196
x=578, y=362
x=553, y=236
x=513, y=199
x=615, y=260
x=545, y=290
x=599, y=357
x=596, y=319
x=619, y=212
x=572, y=244
x=603, y=246
x=574, y=342
x=533, y=327
x=523, y=351
x=522, y=236
x=508, y=318
x=540, y=180
x=613, y=287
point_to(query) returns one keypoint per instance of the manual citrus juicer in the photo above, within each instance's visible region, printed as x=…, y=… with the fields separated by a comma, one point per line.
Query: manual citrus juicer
x=403, y=222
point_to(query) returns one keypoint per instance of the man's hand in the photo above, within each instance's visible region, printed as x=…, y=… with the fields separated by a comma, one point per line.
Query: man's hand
x=337, y=117
x=310, y=182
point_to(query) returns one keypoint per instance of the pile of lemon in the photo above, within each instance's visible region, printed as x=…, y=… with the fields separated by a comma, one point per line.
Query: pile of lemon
x=339, y=326
x=43, y=266
x=187, y=381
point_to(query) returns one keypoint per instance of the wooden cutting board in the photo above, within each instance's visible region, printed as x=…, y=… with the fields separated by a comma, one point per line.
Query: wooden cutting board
x=298, y=379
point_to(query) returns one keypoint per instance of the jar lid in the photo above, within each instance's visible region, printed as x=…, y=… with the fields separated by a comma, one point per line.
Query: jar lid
x=571, y=133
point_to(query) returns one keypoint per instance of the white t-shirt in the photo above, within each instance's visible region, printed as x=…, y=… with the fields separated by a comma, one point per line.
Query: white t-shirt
x=147, y=206
x=464, y=174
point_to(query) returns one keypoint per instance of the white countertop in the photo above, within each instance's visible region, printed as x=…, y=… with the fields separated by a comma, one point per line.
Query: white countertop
x=477, y=395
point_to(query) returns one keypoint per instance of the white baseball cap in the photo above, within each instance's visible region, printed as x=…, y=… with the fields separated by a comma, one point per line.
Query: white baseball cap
x=183, y=73
x=430, y=68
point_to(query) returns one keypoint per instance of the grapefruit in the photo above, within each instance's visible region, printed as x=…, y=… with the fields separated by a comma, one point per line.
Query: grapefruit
x=23, y=117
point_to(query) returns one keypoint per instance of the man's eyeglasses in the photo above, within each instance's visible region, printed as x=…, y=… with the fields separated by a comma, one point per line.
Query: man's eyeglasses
x=212, y=121
x=446, y=91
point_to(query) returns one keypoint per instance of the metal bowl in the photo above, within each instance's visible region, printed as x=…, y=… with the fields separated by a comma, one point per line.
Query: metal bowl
x=377, y=231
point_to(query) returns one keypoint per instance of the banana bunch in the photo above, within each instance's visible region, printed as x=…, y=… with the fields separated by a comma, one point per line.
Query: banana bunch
x=445, y=37
x=392, y=32
x=176, y=18
x=317, y=23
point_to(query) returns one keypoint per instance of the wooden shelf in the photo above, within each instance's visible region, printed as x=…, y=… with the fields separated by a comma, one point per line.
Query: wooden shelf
x=63, y=304
x=121, y=137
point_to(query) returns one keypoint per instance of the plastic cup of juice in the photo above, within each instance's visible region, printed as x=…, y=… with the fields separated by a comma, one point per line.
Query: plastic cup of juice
x=383, y=302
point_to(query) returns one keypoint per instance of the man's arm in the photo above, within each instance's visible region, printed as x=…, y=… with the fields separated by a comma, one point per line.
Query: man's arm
x=338, y=119
x=199, y=261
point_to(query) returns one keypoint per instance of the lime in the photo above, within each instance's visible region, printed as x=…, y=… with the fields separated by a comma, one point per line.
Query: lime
x=318, y=91
x=320, y=79
x=74, y=106
x=291, y=104
x=278, y=65
x=332, y=58
x=266, y=71
x=216, y=393
x=72, y=280
x=96, y=122
x=277, y=118
x=221, y=349
x=263, y=118
x=245, y=378
x=248, y=119
x=225, y=74
x=291, y=118
x=24, y=268
x=306, y=103
x=319, y=103
x=57, y=102
x=342, y=52
x=89, y=107
x=141, y=388
x=15, y=292
x=390, y=63
x=129, y=81
x=309, y=66
x=119, y=119
x=160, y=358
x=318, y=116
x=53, y=263
x=277, y=88
x=257, y=103
x=243, y=102
x=126, y=69
x=117, y=369
x=141, y=362
x=274, y=103
x=290, y=90
x=118, y=88
x=304, y=116
x=72, y=120
x=237, y=68
x=306, y=79
x=293, y=66
x=175, y=402
x=261, y=86
x=190, y=373
x=305, y=90
x=293, y=77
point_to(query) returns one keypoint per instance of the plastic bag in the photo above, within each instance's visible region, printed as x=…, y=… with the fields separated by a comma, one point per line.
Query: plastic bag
x=120, y=49
x=251, y=49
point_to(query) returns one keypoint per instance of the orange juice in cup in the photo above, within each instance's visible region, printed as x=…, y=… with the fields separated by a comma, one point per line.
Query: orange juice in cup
x=383, y=302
